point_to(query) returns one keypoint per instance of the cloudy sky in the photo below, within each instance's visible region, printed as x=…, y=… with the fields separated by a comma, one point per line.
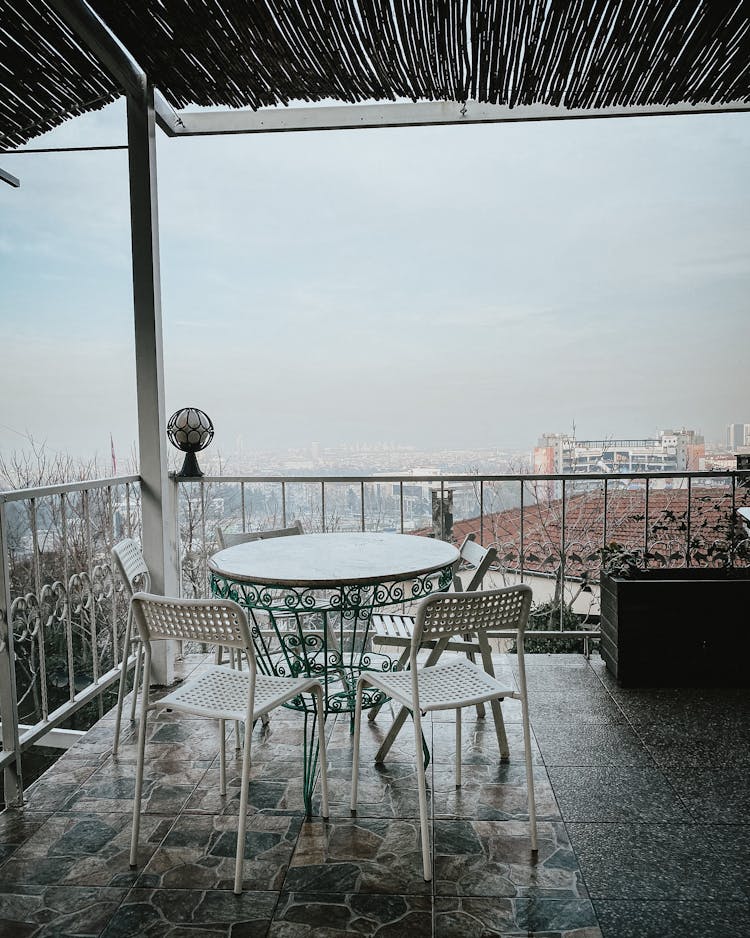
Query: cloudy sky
x=442, y=287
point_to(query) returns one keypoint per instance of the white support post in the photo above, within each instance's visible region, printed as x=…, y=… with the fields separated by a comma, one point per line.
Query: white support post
x=12, y=779
x=158, y=527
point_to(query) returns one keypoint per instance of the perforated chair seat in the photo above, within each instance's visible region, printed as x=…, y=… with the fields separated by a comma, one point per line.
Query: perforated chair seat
x=445, y=686
x=222, y=693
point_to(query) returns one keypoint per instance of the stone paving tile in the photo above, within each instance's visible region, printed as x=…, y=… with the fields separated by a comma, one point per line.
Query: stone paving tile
x=84, y=850
x=713, y=795
x=275, y=787
x=494, y=858
x=561, y=680
x=209, y=913
x=479, y=744
x=53, y=911
x=50, y=792
x=16, y=827
x=316, y=915
x=696, y=743
x=167, y=785
x=364, y=855
x=498, y=918
x=679, y=919
x=199, y=853
x=491, y=793
x=384, y=791
x=341, y=741
x=705, y=706
x=595, y=744
x=661, y=861
x=183, y=741
x=581, y=706
x=616, y=793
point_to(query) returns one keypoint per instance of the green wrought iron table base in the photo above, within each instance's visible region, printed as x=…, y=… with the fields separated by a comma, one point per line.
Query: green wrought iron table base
x=324, y=634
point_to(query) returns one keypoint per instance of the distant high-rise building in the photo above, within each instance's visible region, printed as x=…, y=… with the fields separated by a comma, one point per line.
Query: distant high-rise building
x=673, y=451
x=738, y=435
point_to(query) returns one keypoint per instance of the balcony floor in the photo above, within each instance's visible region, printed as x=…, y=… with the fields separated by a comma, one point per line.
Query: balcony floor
x=644, y=808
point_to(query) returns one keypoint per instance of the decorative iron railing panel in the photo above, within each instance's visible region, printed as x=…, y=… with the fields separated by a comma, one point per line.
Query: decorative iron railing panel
x=62, y=605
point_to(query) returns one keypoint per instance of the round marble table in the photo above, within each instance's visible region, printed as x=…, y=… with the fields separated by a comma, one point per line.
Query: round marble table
x=310, y=599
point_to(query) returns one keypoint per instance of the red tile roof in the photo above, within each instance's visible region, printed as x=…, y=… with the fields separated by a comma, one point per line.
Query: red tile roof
x=707, y=514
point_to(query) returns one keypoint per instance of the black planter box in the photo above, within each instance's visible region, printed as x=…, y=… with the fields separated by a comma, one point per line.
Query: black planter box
x=677, y=628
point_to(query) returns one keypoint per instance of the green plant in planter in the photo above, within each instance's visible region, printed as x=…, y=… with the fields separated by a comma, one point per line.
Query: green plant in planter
x=620, y=561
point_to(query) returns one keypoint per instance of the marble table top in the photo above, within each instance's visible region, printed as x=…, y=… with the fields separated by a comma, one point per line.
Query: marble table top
x=331, y=560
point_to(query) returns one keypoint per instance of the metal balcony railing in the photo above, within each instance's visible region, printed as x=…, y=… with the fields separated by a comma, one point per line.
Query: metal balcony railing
x=544, y=526
x=64, y=612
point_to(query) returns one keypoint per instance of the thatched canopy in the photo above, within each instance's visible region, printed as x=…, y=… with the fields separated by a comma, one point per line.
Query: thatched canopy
x=260, y=53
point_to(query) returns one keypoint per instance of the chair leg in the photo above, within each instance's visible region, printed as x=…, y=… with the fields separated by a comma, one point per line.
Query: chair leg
x=123, y=682
x=136, y=681
x=223, y=757
x=424, y=830
x=458, y=747
x=138, y=787
x=527, y=748
x=320, y=707
x=355, y=754
x=497, y=712
x=242, y=820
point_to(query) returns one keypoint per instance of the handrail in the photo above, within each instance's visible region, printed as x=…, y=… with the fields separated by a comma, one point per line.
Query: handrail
x=63, y=488
x=482, y=477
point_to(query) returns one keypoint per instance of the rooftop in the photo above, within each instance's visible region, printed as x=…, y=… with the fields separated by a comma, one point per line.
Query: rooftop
x=643, y=798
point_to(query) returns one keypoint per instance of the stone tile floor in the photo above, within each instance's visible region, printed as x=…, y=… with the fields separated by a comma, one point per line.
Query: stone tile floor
x=644, y=807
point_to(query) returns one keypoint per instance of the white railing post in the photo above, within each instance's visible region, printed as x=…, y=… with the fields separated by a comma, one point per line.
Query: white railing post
x=12, y=776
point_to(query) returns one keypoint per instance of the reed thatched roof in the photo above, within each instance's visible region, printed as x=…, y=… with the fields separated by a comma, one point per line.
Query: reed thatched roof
x=259, y=53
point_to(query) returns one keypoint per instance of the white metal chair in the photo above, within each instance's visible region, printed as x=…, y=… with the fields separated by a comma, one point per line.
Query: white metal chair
x=396, y=631
x=129, y=560
x=223, y=693
x=456, y=683
x=227, y=539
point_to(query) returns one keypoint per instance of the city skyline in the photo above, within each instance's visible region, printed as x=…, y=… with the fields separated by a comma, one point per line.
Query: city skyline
x=445, y=287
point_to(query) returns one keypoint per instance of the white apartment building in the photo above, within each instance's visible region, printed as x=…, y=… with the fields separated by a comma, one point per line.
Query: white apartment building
x=672, y=451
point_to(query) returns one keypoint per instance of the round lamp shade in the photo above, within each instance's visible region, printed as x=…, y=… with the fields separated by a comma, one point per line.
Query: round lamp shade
x=190, y=430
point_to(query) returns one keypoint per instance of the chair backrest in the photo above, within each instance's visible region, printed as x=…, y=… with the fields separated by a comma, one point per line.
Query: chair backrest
x=227, y=539
x=129, y=560
x=444, y=614
x=213, y=621
x=476, y=556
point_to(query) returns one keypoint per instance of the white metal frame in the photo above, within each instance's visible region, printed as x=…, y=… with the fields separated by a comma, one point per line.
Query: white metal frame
x=454, y=684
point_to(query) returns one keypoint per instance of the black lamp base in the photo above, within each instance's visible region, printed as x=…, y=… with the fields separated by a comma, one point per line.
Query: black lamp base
x=190, y=468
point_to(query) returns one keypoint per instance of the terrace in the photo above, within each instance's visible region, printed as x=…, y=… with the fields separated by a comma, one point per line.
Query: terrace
x=643, y=792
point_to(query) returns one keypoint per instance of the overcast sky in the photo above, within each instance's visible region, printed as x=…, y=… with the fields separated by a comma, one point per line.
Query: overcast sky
x=442, y=287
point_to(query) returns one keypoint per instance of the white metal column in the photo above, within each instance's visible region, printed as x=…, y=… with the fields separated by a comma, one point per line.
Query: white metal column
x=159, y=548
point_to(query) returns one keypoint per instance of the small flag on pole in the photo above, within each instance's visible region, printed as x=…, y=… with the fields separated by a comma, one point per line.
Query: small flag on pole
x=114, y=458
